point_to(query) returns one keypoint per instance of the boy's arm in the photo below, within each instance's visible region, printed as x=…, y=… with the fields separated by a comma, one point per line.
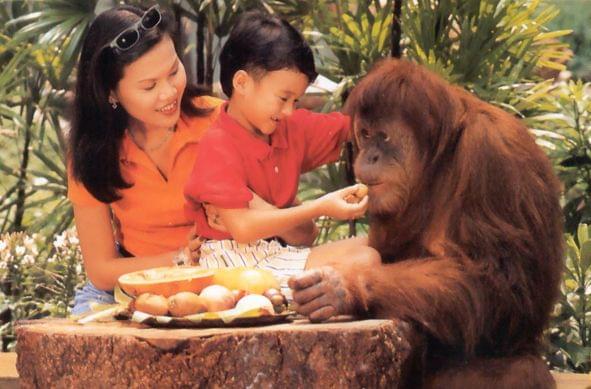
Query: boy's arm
x=323, y=135
x=248, y=225
x=302, y=235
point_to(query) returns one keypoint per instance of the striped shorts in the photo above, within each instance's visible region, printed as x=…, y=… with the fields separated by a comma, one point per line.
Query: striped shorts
x=282, y=261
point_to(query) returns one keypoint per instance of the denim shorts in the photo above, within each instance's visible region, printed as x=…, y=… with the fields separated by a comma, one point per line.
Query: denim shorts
x=90, y=294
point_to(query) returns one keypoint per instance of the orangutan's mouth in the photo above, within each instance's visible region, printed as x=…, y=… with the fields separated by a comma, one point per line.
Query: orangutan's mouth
x=373, y=184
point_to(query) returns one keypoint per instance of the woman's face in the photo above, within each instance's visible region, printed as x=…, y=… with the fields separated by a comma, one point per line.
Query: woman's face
x=152, y=87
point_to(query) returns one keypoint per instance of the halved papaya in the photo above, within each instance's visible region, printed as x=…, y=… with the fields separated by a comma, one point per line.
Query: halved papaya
x=166, y=281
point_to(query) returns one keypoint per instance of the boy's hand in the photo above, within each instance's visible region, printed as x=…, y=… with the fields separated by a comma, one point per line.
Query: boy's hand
x=338, y=204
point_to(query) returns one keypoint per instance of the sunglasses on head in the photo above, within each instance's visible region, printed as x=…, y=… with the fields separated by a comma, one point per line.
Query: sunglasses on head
x=130, y=36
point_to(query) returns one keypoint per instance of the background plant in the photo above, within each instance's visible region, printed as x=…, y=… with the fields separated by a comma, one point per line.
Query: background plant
x=576, y=14
x=36, y=280
x=563, y=128
x=34, y=78
x=570, y=333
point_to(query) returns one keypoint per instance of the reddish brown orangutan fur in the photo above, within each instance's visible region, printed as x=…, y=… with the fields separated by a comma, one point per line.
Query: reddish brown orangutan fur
x=464, y=210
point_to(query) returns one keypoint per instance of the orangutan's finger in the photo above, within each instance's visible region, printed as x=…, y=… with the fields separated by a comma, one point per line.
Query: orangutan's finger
x=303, y=296
x=305, y=280
x=323, y=314
x=314, y=305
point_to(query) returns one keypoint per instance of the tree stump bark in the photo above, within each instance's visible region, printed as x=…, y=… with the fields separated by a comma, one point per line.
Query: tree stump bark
x=337, y=354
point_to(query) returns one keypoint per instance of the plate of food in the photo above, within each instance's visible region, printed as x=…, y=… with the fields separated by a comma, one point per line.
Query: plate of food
x=192, y=297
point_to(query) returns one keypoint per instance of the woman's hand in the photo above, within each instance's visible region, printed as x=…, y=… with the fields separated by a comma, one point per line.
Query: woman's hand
x=337, y=204
x=321, y=294
x=193, y=249
x=213, y=218
x=213, y=215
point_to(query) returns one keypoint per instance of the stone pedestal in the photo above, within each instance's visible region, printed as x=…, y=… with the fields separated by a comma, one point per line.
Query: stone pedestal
x=337, y=354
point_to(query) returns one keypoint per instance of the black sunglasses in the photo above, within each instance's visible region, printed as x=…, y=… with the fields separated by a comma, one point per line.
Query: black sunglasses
x=130, y=36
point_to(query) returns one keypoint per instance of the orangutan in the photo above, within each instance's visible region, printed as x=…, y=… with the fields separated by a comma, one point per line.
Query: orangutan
x=464, y=212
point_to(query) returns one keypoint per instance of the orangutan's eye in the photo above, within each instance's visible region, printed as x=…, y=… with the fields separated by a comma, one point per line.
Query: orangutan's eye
x=364, y=133
x=383, y=136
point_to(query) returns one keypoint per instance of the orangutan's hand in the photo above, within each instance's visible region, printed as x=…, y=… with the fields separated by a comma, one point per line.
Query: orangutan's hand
x=321, y=294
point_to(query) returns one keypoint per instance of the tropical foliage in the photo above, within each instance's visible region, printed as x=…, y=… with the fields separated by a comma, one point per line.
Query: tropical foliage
x=570, y=334
x=563, y=128
x=576, y=14
x=36, y=279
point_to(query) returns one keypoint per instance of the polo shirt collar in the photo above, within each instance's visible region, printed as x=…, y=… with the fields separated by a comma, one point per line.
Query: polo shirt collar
x=182, y=136
x=258, y=147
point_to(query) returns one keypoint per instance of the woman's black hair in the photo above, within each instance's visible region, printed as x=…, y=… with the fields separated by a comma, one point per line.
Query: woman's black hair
x=261, y=41
x=98, y=129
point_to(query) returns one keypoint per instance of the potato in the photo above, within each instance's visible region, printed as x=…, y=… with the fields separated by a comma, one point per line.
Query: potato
x=186, y=303
x=151, y=303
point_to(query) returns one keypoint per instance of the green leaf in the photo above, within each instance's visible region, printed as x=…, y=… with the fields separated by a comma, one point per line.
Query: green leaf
x=578, y=354
x=582, y=233
x=585, y=256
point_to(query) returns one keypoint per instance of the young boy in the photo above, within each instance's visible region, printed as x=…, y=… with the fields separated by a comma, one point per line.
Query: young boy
x=261, y=143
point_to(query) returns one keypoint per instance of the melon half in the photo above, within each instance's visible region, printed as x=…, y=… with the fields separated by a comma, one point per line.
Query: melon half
x=166, y=281
x=248, y=279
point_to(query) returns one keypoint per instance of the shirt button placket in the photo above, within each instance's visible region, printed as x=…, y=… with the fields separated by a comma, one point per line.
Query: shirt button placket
x=276, y=170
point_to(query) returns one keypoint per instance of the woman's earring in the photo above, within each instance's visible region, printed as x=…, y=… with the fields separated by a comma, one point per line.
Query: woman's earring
x=113, y=102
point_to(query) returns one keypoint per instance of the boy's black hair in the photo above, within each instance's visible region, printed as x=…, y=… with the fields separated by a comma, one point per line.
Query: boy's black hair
x=98, y=129
x=265, y=42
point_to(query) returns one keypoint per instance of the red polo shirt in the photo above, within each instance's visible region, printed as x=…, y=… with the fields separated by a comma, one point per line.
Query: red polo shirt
x=231, y=162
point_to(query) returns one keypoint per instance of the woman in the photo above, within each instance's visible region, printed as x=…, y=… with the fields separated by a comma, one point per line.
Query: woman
x=132, y=145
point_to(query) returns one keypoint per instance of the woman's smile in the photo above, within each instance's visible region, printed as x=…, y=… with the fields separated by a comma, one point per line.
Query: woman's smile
x=169, y=109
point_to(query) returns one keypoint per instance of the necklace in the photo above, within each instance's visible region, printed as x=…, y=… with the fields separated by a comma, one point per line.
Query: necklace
x=161, y=143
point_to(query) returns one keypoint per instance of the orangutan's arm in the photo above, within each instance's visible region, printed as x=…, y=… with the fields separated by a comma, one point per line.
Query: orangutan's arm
x=437, y=294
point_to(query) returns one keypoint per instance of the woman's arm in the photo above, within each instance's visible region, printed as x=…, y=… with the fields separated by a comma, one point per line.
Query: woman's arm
x=102, y=262
x=248, y=225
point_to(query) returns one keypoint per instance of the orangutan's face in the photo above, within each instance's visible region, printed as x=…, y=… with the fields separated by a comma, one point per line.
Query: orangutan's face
x=387, y=163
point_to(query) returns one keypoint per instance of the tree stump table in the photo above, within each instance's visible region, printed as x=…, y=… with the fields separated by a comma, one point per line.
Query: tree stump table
x=121, y=354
